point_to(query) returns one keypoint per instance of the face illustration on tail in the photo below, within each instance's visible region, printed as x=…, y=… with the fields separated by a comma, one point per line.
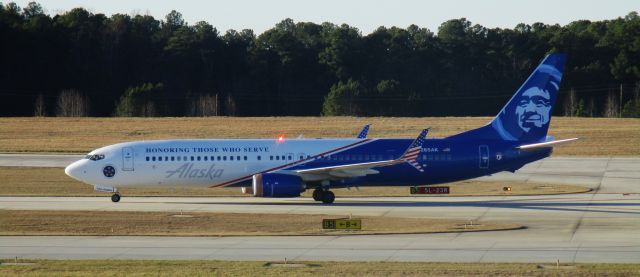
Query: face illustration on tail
x=534, y=108
x=527, y=115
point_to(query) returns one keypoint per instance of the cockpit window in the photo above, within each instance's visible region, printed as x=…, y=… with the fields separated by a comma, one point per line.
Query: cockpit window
x=94, y=157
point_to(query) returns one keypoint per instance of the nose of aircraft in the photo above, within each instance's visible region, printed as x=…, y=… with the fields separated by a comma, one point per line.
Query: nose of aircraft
x=75, y=170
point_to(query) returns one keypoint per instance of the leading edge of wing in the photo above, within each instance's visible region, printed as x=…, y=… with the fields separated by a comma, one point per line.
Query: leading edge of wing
x=357, y=166
x=410, y=156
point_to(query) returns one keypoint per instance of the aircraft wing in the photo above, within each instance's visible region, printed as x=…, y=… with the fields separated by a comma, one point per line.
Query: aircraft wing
x=348, y=170
x=545, y=144
x=361, y=169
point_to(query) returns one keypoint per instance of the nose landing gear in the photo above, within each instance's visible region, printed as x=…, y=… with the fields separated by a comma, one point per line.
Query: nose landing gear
x=115, y=198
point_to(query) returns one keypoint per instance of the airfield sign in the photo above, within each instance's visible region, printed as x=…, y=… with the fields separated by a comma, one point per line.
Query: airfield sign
x=343, y=224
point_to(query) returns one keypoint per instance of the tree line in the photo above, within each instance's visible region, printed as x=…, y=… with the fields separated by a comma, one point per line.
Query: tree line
x=79, y=63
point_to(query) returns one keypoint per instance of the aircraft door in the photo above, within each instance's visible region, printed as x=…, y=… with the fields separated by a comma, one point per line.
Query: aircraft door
x=484, y=156
x=127, y=159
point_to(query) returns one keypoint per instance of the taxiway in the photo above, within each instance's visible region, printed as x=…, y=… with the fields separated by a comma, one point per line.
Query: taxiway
x=600, y=226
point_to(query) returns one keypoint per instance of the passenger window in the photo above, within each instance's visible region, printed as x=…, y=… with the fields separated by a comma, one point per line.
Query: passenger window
x=231, y=158
x=147, y=159
x=290, y=158
x=277, y=158
x=192, y=158
x=153, y=158
x=179, y=158
x=218, y=158
x=173, y=158
x=166, y=158
x=283, y=157
x=206, y=158
x=258, y=158
x=224, y=158
x=245, y=158
x=237, y=158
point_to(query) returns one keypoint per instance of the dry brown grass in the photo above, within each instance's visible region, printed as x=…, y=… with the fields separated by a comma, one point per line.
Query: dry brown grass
x=30, y=181
x=244, y=268
x=106, y=223
x=601, y=136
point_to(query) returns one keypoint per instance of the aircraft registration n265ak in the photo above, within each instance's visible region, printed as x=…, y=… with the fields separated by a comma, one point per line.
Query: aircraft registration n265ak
x=286, y=167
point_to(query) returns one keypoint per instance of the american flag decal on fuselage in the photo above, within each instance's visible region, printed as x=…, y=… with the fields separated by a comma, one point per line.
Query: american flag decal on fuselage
x=411, y=155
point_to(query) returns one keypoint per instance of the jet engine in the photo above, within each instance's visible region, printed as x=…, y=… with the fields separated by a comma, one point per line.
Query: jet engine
x=276, y=185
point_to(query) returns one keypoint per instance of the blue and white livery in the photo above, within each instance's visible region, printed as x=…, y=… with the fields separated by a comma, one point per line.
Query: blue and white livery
x=287, y=167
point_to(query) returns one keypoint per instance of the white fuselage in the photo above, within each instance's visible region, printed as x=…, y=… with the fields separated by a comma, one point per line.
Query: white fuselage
x=207, y=163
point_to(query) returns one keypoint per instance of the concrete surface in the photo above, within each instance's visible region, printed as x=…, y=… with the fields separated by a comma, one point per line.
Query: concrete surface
x=600, y=226
x=38, y=160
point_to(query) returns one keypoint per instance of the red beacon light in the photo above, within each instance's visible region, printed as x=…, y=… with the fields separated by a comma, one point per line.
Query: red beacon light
x=280, y=138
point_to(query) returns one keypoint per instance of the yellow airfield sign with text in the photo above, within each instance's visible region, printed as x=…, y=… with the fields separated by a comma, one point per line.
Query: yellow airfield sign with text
x=345, y=224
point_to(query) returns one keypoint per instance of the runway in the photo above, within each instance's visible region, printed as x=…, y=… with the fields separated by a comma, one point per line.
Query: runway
x=600, y=226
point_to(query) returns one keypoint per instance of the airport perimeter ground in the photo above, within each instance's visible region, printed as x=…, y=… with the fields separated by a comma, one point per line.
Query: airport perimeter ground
x=600, y=226
x=600, y=136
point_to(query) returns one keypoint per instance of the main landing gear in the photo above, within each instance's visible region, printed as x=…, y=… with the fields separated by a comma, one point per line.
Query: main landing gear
x=115, y=198
x=326, y=196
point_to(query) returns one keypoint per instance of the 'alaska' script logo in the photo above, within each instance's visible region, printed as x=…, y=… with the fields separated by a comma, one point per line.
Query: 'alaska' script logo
x=188, y=171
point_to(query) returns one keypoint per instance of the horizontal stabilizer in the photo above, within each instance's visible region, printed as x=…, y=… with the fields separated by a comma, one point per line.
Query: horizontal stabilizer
x=545, y=144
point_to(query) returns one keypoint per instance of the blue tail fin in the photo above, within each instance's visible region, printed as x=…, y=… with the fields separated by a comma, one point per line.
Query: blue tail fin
x=527, y=115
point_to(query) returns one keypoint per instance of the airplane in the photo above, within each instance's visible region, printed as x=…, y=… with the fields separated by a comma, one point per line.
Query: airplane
x=287, y=167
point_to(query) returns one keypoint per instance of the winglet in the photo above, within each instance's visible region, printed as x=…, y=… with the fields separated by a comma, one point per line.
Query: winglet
x=411, y=154
x=363, y=133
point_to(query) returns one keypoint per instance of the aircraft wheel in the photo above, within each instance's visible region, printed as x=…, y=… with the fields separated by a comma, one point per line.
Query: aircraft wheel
x=115, y=198
x=317, y=194
x=328, y=197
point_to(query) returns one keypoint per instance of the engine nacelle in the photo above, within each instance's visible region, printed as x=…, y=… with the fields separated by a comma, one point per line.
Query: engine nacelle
x=277, y=185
